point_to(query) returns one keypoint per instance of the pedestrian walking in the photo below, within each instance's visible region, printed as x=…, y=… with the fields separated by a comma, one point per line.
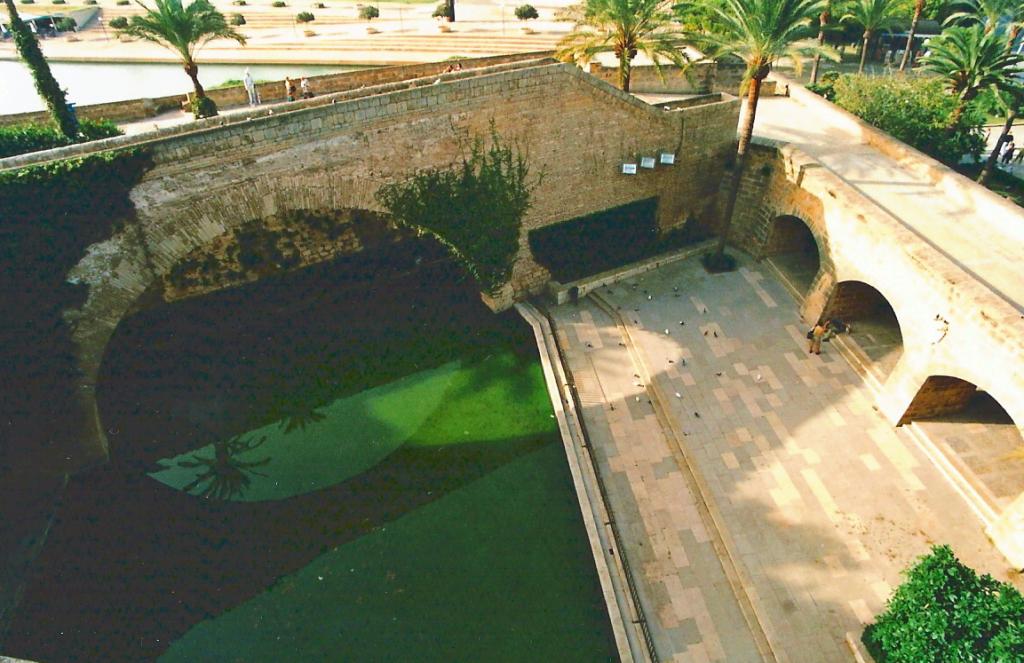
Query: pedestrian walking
x=289, y=89
x=307, y=92
x=250, y=88
x=1008, y=149
x=815, y=336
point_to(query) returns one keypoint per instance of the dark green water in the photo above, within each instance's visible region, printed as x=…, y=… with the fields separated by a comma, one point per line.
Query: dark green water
x=322, y=467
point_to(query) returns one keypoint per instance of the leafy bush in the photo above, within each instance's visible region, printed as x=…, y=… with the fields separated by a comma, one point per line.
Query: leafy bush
x=28, y=2
x=945, y=611
x=237, y=19
x=475, y=209
x=239, y=3
x=119, y=22
x=91, y=2
x=278, y=3
x=22, y=138
x=526, y=12
x=59, y=2
x=66, y=23
x=369, y=12
x=440, y=11
x=319, y=5
x=825, y=87
x=915, y=111
x=123, y=3
x=203, y=107
x=305, y=17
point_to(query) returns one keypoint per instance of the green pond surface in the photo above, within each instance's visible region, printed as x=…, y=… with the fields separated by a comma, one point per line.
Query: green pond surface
x=318, y=468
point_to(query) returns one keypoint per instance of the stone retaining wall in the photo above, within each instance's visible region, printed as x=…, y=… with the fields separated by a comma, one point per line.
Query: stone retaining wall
x=140, y=109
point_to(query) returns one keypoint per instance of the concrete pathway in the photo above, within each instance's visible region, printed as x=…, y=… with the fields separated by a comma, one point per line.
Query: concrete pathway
x=815, y=502
x=989, y=248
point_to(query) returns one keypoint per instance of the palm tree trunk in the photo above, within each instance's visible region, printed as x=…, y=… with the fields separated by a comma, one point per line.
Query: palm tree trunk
x=822, y=21
x=918, y=8
x=746, y=132
x=864, y=51
x=624, y=71
x=192, y=70
x=46, y=84
x=450, y=10
x=990, y=163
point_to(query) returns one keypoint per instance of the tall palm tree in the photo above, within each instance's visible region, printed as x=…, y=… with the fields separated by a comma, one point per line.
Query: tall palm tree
x=46, y=85
x=872, y=16
x=184, y=29
x=971, y=60
x=625, y=28
x=918, y=8
x=759, y=32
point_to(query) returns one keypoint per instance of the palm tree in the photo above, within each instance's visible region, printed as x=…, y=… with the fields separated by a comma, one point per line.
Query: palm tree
x=46, y=85
x=872, y=15
x=990, y=13
x=759, y=32
x=918, y=8
x=823, y=19
x=183, y=30
x=626, y=28
x=971, y=60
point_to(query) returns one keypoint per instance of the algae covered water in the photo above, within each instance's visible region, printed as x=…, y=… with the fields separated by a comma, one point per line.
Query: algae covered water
x=320, y=467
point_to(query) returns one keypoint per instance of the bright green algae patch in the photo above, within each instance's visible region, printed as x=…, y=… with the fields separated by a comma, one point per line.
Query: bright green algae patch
x=349, y=436
x=496, y=571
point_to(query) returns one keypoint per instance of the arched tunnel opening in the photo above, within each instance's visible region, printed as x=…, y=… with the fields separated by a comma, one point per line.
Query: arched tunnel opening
x=975, y=431
x=871, y=321
x=792, y=250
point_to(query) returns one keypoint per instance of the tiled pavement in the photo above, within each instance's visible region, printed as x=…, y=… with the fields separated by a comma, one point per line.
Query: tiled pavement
x=822, y=503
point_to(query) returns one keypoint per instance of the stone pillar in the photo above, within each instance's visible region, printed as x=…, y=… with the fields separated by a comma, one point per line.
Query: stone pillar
x=1007, y=533
x=817, y=297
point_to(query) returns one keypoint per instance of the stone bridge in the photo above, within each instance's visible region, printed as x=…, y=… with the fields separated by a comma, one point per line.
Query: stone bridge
x=329, y=156
x=937, y=325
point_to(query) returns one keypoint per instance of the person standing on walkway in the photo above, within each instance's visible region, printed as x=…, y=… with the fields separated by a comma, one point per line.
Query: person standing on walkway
x=1008, y=150
x=250, y=88
x=816, y=335
x=307, y=93
x=289, y=89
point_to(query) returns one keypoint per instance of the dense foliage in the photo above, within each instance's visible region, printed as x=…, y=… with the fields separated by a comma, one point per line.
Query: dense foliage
x=526, y=12
x=475, y=209
x=23, y=138
x=304, y=17
x=945, y=611
x=46, y=85
x=51, y=213
x=369, y=12
x=119, y=22
x=917, y=111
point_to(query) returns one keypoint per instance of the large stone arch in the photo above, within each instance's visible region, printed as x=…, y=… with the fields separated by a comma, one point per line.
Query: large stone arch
x=788, y=246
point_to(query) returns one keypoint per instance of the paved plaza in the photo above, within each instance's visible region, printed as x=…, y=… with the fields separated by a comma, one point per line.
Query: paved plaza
x=761, y=496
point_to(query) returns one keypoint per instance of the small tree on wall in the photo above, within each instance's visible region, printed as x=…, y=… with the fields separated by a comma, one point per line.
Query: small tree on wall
x=475, y=209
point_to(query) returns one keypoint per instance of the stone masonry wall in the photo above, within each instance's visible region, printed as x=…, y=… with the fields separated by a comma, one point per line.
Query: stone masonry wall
x=575, y=130
x=940, y=394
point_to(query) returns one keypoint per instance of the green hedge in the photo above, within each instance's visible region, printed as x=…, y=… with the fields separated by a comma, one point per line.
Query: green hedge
x=945, y=611
x=916, y=110
x=607, y=239
x=23, y=138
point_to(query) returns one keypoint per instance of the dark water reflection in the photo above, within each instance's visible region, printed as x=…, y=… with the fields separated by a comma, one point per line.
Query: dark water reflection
x=132, y=564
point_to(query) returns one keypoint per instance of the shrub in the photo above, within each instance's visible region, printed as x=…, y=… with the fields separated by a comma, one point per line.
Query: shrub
x=945, y=611
x=203, y=107
x=237, y=19
x=119, y=22
x=66, y=24
x=305, y=17
x=915, y=111
x=239, y=3
x=278, y=3
x=369, y=12
x=440, y=11
x=319, y=5
x=825, y=87
x=28, y=2
x=90, y=2
x=22, y=138
x=526, y=12
x=123, y=3
x=59, y=2
x=475, y=209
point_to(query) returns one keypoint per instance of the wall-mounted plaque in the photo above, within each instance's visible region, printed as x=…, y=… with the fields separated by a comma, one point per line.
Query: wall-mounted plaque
x=647, y=162
x=629, y=169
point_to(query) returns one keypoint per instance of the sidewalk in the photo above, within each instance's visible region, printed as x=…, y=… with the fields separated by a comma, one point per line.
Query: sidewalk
x=821, y=501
